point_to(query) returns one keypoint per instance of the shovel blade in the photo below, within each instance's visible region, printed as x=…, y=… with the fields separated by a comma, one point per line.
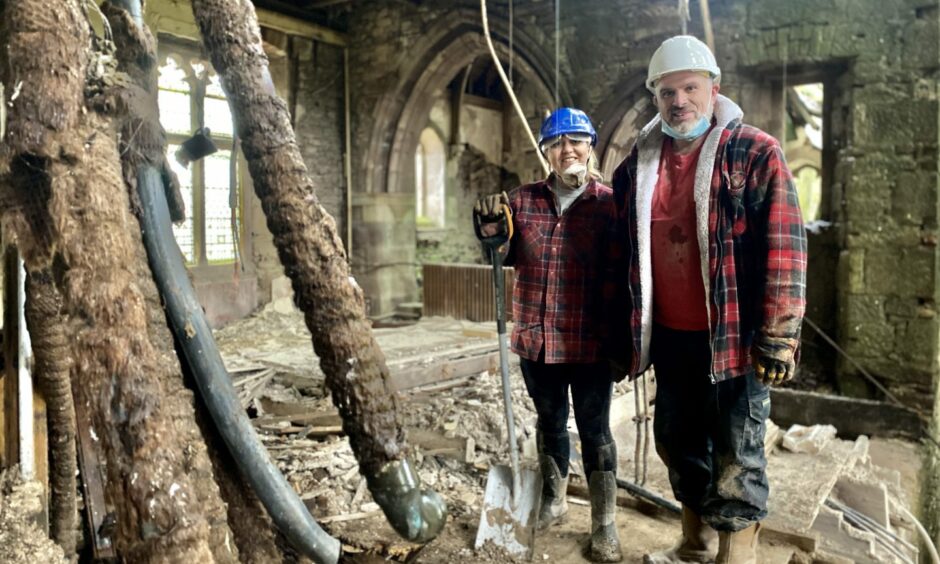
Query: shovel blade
x=509, y=518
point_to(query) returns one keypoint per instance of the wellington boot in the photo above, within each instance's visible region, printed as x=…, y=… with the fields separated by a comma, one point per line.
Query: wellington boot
x=739, y=547
x=698, y=543
x=554, y=508
x=605, y=544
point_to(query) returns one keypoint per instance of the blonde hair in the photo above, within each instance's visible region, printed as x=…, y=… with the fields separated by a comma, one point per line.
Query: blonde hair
x=593, y=167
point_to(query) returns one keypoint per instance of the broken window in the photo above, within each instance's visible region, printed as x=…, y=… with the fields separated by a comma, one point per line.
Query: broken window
x=191, y=97
x=803, y=145
x=429, y=180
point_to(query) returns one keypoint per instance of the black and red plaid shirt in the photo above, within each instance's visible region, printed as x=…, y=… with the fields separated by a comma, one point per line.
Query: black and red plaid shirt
x=756, y=252
x=565, y=273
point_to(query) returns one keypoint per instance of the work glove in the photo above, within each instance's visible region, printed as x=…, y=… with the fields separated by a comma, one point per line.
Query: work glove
x=773, y=371
x=490, y=211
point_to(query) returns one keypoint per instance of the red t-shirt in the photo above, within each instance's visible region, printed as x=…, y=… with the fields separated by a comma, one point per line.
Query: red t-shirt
x=678, y=289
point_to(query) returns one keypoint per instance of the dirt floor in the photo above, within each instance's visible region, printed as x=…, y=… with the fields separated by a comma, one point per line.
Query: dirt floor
x=451, y=407
x=457, y=430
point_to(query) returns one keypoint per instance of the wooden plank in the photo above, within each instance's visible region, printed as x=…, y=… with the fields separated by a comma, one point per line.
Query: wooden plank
x=851, y=416
x=294, y=26
x=92, y=485
x=41, y=453
x=447, y=370
x=11, y=411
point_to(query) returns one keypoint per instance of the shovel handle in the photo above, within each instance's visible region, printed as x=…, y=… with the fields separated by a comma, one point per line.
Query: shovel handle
x=492, y=245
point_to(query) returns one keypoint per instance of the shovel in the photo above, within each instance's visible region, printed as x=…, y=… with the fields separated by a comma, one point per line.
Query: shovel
x=512, y=497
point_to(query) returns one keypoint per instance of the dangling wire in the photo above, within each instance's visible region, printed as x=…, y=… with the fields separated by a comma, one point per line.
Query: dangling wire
x=557, y=46
x=510, y=41
x=783, y=133
x=508, y=86
x=684, y=17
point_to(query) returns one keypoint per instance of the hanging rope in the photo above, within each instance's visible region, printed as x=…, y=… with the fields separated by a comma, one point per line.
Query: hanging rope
x=684, y=17
x=511, y=26
x=506, y=83
x=557, y=46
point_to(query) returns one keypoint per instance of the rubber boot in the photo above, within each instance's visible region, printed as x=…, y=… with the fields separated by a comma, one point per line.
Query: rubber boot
x=554, y=508
x=605, y=544
x=698, y=543
x=738, y=547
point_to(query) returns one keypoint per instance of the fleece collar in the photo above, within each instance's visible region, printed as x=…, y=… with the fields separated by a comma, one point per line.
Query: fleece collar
x=649, y=151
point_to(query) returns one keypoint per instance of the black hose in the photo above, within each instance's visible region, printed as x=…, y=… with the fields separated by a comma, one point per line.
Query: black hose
x=647, y=495
x=189, y=325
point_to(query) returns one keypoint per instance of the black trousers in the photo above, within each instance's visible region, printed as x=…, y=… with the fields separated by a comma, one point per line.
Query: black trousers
x=711, y=436
x=591, y=388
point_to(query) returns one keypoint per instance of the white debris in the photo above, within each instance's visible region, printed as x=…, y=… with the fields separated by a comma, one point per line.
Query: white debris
x=174, y=488
x=810, y=440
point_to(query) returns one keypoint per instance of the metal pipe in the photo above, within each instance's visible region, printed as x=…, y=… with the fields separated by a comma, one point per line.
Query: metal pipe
x=189, y=324
x=644, y=493
x=348, y=160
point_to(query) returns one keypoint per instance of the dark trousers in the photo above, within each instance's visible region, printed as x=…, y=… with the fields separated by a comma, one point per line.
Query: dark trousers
x=711, y=436
x=591, y=388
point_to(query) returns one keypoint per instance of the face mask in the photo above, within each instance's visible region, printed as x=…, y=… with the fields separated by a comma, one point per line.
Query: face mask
x=700, y=128
x=574, y=175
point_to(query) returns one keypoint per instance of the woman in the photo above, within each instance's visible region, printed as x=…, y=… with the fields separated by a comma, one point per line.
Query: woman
x=565, y=255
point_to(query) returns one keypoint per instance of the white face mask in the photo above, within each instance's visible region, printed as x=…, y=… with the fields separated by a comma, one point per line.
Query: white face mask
x=574, y=175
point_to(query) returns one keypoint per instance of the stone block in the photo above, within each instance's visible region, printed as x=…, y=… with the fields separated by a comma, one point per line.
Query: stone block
x=869, y=339
x=907, y=308
x=904, y=272
x=914, y=200
x=879, y=124
x=917, y=340
x=852, y=270
x=864, y=309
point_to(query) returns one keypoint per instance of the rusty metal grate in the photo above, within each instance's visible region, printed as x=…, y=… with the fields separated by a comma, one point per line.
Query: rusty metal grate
x=463, y=291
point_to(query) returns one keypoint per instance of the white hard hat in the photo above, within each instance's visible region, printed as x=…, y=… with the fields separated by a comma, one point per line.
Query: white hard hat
x=681, y=53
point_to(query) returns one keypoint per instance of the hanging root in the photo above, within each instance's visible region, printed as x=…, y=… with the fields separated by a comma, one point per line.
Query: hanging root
x=50, y=349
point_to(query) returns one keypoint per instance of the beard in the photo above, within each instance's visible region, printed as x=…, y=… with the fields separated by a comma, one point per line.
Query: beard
x=686, y=126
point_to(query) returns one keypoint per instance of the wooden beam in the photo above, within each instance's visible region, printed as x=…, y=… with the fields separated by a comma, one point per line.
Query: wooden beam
x=175, y=17
x=445, y=370
x=294, y=26
x=96, y=510
x=850, y=416
x=11, y=412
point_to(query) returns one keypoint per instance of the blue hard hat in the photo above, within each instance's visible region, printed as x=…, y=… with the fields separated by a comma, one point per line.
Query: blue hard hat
x=567, y=120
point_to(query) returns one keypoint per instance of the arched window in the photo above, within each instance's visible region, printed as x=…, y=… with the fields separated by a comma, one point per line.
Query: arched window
x=190, y=97
x=429, y=180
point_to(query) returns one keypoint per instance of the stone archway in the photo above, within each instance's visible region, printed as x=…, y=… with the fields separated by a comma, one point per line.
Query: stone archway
x=384, y=203
x=620, y=119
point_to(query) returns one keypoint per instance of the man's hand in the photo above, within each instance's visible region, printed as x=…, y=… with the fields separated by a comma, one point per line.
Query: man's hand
x=490, y=209
x=773, y=372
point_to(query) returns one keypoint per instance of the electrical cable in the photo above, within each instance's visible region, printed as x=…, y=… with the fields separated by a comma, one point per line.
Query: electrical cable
x=506, y=83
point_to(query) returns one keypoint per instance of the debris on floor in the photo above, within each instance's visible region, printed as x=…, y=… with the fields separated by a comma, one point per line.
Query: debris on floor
x=828, y=500
x=22, y=540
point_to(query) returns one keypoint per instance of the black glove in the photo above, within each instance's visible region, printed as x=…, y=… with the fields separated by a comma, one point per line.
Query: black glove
x=490, y=211
x=772, y=371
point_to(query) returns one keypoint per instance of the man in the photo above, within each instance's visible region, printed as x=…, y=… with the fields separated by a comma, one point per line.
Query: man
x=718, y=266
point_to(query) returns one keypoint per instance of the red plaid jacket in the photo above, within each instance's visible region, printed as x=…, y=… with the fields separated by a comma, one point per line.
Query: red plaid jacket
x=754, y=236
x=565, y=273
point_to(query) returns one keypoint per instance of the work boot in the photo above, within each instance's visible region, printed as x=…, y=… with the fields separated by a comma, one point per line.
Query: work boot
x=605, y=545
x=738, y=547
x=698, y=543
x=554, y=494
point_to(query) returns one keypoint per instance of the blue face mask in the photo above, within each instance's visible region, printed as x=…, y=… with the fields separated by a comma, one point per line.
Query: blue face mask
x=700, y=128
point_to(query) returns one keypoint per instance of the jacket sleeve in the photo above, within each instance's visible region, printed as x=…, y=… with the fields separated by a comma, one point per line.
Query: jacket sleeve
x=782, y=244
x=618, y=346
